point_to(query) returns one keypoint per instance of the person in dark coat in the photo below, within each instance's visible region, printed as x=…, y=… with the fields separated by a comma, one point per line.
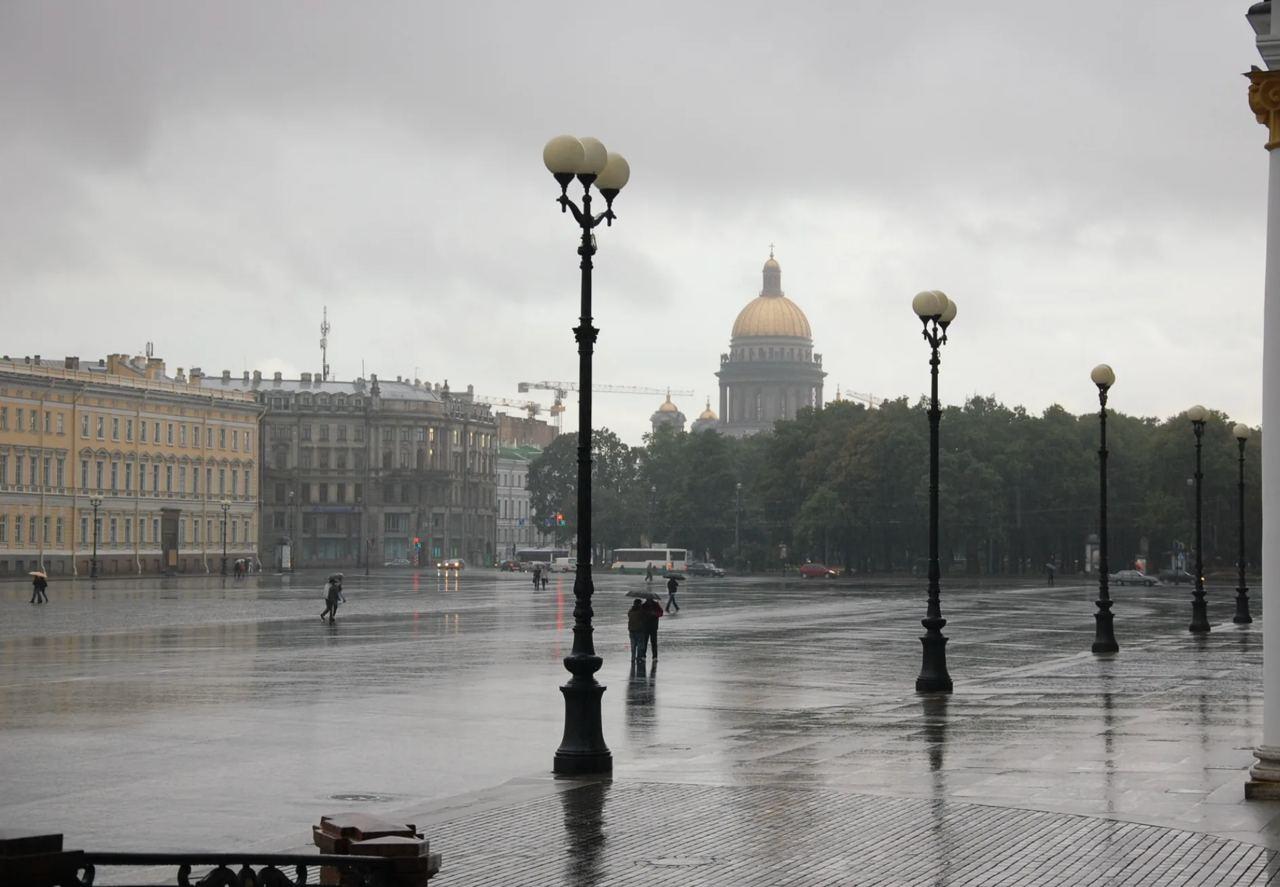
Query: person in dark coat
x=648, y=573
x=332, y=596
x=537, y=577
x=653, y=610
x=638, y=629
x=38, y=586
x=673, y=585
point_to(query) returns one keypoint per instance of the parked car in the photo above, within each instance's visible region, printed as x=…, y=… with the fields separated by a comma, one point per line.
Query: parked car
x=564, y=565
x=397, y=562
x=511, y=567
x=816, y=571
x=1132, y=577
x=1176, y=576
x=705, y=568
x=453, y=563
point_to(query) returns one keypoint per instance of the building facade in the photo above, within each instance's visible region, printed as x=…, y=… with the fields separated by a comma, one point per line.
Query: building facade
x=517, y=525
x=771, y=370
x=667, y=415
x=117, y=456
x=371, y=471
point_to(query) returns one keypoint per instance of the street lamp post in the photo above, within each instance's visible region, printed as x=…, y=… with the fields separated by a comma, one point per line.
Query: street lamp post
x=582, y=749
x=1242, y=616
x=737, y=524
x=225, y=506
x=1199, y=612
x=96, y=502
x=936, y=312
x=653, y=511
x=1104, y=637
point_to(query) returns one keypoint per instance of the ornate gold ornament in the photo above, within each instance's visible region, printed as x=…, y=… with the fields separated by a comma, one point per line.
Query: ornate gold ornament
x=1264, y=101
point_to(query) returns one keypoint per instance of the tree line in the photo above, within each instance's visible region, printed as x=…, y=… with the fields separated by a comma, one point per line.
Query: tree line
x=847, y=485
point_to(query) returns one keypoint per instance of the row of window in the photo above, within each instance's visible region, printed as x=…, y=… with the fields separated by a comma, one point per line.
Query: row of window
x=149, y=431
x=111, y=530
x=387, y=436
x=513, y=508
x=119, y=477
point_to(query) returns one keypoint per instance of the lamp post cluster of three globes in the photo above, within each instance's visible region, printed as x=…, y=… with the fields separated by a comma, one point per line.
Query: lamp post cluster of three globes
x=582, y=749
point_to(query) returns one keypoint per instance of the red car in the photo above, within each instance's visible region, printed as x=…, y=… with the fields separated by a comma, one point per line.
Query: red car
x=816, y=571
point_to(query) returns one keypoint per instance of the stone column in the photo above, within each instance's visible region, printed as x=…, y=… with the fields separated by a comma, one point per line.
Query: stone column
x=1264, y=778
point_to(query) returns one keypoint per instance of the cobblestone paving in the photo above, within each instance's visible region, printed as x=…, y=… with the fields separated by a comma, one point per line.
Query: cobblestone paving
x=654, y=834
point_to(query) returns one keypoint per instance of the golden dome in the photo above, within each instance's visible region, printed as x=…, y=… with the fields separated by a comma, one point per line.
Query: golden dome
x=772, y=316
x=708, y=413
x=668, y=406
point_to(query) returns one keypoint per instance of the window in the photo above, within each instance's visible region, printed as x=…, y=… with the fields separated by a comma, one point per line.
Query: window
x=341, y=490
x=342, y=433
x=4, y=469
x=17, y=530
x=128, y=429
x=405, y=434
x=305, y=432
x=128, y=477
x=222, y=438
x=128, y=531
x=323, y=458
x=115, y=477
x=195, y=481
x=98, y=475
x=34, y=469
x=48, y=422
x=324, y=492
x=304, y=458
x=168, y=478
x=169, y=433
x=155, y=432
x=235, y=440
x=101, y=426
x=155, y=531
x=233, y=481
x=58, y=530
x=182, y=530
x=143, y=428
x=112, y=537
x=62, y=464
x=31, y=415
x=182, y=479
x=396, y=523
x=422, y=435
x=84, y=530
x=155, y=478
x=324, y=433
x=195, y=532
x=182, y=435
x=222, y=481
x=208, y=434
x=4, y=418
x=208, y=481
x=115, y=428
x=341, y=458
x=84, y=474
x=44, y=531
x=359, y=434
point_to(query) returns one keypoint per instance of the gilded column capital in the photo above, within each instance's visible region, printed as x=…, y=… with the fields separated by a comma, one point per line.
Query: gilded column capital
x=1264, y=101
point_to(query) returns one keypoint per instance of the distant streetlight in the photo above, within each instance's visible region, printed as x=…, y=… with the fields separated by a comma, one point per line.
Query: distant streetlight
x=737, y=523
x=1199, y=611
x=225, y=505
x=1104, y=637
x=96, y=502
x=582, y=749
x=936, y=312
x=1242, y=616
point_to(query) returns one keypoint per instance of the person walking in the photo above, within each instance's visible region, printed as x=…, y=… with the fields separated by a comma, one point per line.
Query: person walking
x=1050, y=569
x=673, y=585
x=653, y=612
x=544, y=578
x=38, y=586
x=332, y=595
x=537, y=577
x=648, y=573
x=638, y=628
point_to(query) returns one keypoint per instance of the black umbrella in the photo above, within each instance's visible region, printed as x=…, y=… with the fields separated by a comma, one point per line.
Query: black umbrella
x=645, y=594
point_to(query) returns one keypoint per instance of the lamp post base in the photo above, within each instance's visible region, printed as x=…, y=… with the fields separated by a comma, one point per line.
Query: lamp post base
x=933, y=676
x=1199, y=613
x=1242, y=616
x=1104, y=638
x=582, y=750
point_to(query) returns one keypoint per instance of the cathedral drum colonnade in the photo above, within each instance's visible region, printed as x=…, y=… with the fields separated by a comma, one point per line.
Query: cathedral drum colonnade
x=771, y=370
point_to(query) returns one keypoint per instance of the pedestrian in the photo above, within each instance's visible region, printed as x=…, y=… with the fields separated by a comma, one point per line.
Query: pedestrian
x=537, y=577
x=1050, y=569
x=672, y=587
x=544, y=578
x=648, y=573
x=653, y=610
x=38, y=586
x=637, y=628
x=332, y=596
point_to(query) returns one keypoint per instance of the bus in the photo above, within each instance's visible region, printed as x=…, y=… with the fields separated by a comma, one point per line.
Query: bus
x=659, y=556
x=540, y=557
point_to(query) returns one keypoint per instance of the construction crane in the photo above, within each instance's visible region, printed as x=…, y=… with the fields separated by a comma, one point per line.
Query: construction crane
x=532, y=407
x=562, y=390
x=869, y=399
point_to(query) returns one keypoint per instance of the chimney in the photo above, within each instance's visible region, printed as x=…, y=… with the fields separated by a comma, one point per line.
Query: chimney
x=181, y=377
x=397, y=377
x=257, y=378
x=72, y=363
x=279, y=377
x=196, y=375
x=246, y=376
x=155, y=367
x=101, y=363
x=305, y=378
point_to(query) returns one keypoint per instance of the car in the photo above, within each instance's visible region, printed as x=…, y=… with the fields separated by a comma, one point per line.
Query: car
x=453, y=563
x=705, y=568
x=1176, y=576
x=511, y=567
x=397, y=562
x=817, y=571
x=1132, y=577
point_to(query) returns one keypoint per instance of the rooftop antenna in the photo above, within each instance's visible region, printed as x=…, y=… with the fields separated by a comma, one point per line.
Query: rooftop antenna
x=324, y=346
x=151, y=350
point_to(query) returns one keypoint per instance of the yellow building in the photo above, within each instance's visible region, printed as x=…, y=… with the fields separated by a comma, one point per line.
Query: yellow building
x=162, y=462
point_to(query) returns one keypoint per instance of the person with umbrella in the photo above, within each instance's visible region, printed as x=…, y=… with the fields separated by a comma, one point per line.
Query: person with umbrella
x=39, y=582
x=637, y=628
x=332, y=597
x=673, y=585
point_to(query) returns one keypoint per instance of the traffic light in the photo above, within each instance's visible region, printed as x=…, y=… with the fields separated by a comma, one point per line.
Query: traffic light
x=559, y=519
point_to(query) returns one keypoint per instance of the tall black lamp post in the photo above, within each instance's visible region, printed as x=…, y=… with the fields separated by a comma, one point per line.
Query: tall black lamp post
x=1242, y=616
x=225, y=506
x=936, y=312
x=1199, y=612
x=737, y=524
x=582, y=749
x=96, y=502
x=1104, y=636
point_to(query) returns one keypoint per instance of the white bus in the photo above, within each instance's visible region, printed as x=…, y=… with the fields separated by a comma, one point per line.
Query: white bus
x=659, y=556
x=540, y=557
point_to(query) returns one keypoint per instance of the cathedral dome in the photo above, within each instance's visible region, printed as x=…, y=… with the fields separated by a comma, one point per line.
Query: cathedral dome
x=709, y=414
x=668, y=406
x=772, y=314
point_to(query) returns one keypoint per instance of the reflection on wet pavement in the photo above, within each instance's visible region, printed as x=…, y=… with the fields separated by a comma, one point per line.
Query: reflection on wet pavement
x=126, y=708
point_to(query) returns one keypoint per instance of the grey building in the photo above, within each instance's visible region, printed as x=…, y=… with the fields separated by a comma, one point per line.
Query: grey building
x=518, y=526
x=771, y=370
x=372, y=471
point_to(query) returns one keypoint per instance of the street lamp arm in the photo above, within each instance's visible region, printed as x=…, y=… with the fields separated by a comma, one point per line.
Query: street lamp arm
x=584, y=220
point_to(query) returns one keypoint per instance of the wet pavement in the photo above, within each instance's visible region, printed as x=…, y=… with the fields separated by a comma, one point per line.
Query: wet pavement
x=778, y=740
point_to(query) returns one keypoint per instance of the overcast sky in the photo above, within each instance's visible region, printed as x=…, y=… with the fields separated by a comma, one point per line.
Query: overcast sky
x=1084, y=179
